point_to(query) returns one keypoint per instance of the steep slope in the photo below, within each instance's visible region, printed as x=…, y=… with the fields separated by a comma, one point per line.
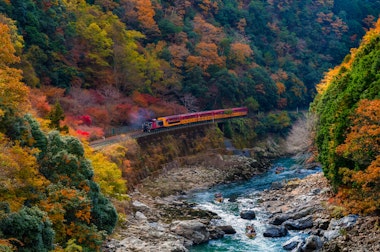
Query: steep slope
x=348, y=130
x=113, y=63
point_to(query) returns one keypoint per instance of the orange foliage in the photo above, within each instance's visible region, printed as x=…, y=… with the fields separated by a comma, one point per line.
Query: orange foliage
x=52, y=93
x=208, y=6
x=39, y=102
x=179, y=54
x=62, y=202
x=364, y=198
x=240, y=52
x=332, y=23
x=120, y=112
x=209, y=33
x=99, y=115
x=7, y=51
x=20, y=178
x=280, y=87
x=362, y=143
x=139, y=99
x=145, y=14
x=208, y=55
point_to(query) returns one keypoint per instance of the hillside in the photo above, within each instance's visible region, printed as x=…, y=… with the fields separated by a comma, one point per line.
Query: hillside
x=110, y=64
x=73, y=70
x=348, y=129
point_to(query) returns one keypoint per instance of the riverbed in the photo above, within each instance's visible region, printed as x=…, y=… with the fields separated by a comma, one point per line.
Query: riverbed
x=245, y=196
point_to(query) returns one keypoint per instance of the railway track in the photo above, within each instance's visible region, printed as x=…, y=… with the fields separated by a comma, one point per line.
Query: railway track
x=135, y=134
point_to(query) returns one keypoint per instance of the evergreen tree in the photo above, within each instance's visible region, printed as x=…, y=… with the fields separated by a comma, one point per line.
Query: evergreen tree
x=57, y=115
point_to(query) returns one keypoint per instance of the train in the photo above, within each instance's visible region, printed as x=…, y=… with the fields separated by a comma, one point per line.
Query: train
x=189, y=118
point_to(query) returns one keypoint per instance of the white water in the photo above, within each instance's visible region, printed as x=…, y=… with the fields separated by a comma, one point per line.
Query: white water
x=243, y=196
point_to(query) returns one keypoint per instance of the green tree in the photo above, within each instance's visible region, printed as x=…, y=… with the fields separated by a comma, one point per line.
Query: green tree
x=31, y=226
x=57, y=115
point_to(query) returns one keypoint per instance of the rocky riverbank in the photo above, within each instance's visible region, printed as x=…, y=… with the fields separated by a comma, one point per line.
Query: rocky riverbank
x=160, y=221
x=302, y=205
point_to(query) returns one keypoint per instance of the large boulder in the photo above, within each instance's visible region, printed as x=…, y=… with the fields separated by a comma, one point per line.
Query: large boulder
x=279, y=219
x=345, y=222
x=247, y=214
x=293, y=243
x=331, y=234
x=138, y=206
x=140, y=216
x=275, y=231
x=335, y=227
x=300, y=224
x=322, y=223
x=192, y=230
x=215, y=232
x=294, y=214
x=312, y=243
x=227, y=229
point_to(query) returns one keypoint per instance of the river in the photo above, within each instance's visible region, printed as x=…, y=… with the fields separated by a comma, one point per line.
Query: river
x=243, y=196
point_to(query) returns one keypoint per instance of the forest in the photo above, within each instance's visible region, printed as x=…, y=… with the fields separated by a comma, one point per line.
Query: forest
x=72, y=71
x=110, y=64
x=348, y=130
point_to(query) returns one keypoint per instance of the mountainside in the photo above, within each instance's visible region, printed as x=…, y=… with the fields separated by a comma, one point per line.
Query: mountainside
x=86, y=68
x=348, y=129
x=113, y=63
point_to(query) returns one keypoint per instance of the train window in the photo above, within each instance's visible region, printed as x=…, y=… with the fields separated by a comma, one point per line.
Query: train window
x=160, y=123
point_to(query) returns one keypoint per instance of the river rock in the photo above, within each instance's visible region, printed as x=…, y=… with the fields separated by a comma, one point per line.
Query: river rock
x=136, y=244
x=227, y=229
x=345, y=222
x=193, y=230
x=302, y=212
x=322, y=223
x=247, y=214
x=216, y=232
x=275, y=231
x=331, y=234
x=300, y=224
x=279, y=218
x=312, y=243
x=138, y=206
x=293, y=243
x=277, y=185
x=140, y=216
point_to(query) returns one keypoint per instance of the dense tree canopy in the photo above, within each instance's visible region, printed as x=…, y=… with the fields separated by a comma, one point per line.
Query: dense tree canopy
x=48, y=193
x=348, y=132
x=273, y=51
x=89, y=67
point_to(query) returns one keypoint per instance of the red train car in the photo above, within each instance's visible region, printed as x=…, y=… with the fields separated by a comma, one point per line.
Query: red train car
x=182, y=119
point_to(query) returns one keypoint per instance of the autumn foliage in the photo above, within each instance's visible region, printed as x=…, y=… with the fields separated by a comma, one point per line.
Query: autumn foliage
x=47, y=188
x=348, y=131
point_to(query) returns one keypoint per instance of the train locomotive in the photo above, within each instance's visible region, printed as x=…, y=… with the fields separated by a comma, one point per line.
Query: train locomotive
x=183, y=119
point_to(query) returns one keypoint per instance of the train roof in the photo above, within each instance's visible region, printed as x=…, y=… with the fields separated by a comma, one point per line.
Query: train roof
x=204, y=112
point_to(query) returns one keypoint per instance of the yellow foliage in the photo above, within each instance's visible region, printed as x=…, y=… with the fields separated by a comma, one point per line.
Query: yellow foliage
x=20, y=178
x=13, y=93
x=107, y=173
x=280, y=87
